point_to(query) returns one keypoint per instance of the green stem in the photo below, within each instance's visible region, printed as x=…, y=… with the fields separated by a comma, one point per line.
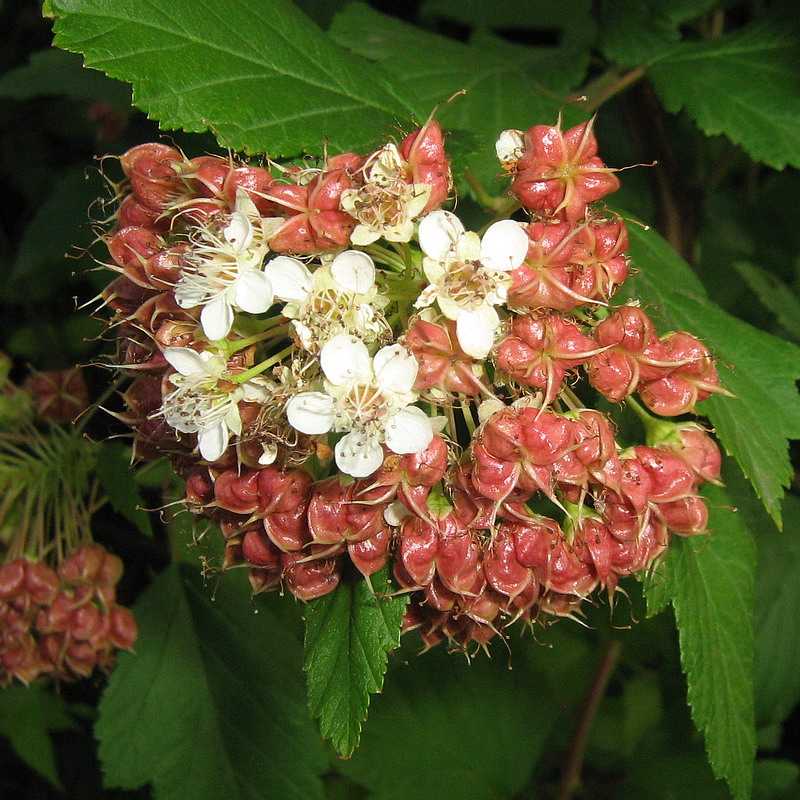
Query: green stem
x=610, y=84
x=385, y=256
x=230, y=347
x=243, y=377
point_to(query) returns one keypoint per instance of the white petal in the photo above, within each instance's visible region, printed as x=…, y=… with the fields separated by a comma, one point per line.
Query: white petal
x=358, y=455
x=213, y=442
x=344, y=359
x=311, y=412
x=290, y=278
x=489, y=407
x=239, y=232
x=395, y=369
x=395, y=513
x=510, y=147
x=504, y=246
x=269, y=454
x=186, y=360
x=258, y=390
x=408, y=431
x=354, y=271
x=217, y=318
x=438, y=232
x=475, y=330
x=253, y=291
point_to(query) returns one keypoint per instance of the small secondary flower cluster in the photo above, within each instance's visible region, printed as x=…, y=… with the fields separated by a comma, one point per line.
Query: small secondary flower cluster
x=62, y=624
x=343, y=373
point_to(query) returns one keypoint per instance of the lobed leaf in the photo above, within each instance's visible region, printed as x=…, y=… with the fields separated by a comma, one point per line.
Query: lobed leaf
x=211, y=704
x=743, y=85
x=506, y=86
x=758, y=368
x=349, y=634
x=258, y=73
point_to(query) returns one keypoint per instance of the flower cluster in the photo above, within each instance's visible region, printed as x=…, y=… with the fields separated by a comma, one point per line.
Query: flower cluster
x=65, y=623
x=342, y=372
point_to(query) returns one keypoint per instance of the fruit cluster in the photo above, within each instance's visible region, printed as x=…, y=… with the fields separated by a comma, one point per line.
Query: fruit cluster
x=62, y=624
x=344, y=375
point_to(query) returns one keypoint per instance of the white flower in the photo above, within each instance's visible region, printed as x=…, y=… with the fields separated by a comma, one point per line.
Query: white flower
x=387, y=204
x=367, y=397
x=224, y=272
x=204, y=402
x=468, y=275
x=510, y=148
x=340, y=297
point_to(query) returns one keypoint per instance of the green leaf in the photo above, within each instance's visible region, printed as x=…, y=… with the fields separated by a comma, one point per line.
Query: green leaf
x=711, y=585
x=743, y=85
x=635, y=31
x=258, y=73
x=349, y=634
x=499, y=92
x=758, y=368
x=774, y=294
x=118, y=481
x=212, y=703
x=55, y=240
x=777, y=609
x=447, y=728
x=54, y=72
x=27, y=714
x=776, y=779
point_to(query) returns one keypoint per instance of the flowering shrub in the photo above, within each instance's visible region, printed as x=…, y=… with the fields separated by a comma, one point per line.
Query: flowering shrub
x=358, y=378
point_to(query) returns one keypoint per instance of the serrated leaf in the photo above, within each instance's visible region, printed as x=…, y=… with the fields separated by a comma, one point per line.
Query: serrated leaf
x=656, y=590
x=212, y=703
x=349, y=634
x=758, y=368
x=447, y=728
x=434, y=68
x=118, y=481
x=711, y=585
x=55, y=72
x=27, y=715
x=743, y=85
x=258, y=73
x=774, y=294
x=777, y=614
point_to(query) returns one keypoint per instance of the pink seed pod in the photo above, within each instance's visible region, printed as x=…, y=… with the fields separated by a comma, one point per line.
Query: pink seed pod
x=255, y=181
x=12, y=578
x=259, y=550
x=428, y=163
x=692, y=443
x=124, y=629
x=503, y=570
x=686, y=516
x=281, y=491
x=288, y=530
x=310, y=579
x=371, y=554
x=41, y=583
x=59, y=395
x=131, y=248
x=559, y=172
x=237, y=491
x=670, y=476
x=206, y=175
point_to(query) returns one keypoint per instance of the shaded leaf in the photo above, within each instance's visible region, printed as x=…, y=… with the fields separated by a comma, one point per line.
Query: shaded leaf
x=776, y=779
x=758, y=368
x=349, y=634
x=637, y=30
x=711, y=585
x=774, y=294
x=27, y=715
x=118, y=481
x=777, y=610
x=500, y=92
x=54, y=72
x=212, y=703
x=743, y=85
x=258, y=73
x=447, y=728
